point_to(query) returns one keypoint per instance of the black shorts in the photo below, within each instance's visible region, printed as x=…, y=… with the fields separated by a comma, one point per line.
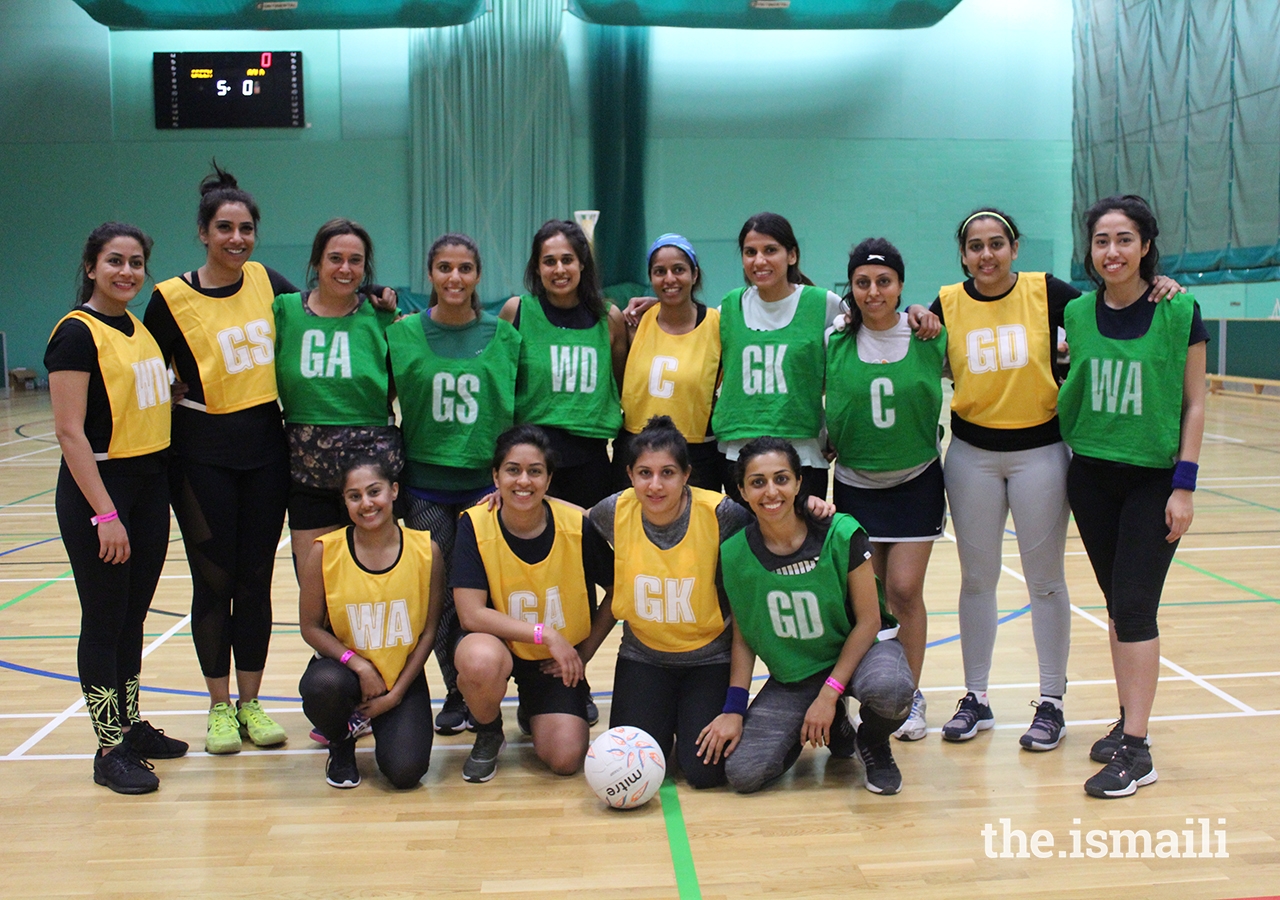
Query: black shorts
x=313, y=508
x=541, y=693
x=913, y=511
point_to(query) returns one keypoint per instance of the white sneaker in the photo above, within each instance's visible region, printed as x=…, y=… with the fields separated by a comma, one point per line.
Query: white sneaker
x=914, y=728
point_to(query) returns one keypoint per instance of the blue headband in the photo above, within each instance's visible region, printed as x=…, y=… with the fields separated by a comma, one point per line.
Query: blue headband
x=679, y=241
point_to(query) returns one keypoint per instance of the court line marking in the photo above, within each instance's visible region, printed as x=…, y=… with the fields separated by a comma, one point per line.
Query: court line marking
x=67, y=713
x=687, y=887
x=31, y=453
x=33, y=437
x=1164, y=660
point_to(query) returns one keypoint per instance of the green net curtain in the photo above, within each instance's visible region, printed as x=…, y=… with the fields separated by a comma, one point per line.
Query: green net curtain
x=1180, y=102
x=618, y=63
x=765, y=13
x=225, y=14
x=489, y=118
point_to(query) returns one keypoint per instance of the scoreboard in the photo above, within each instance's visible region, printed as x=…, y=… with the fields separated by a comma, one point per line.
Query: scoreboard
x=254, y=89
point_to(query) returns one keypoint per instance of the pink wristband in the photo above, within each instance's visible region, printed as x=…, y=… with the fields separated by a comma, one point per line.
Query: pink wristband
x=834, y=685
x=537, y=633
x=105, y=517
x=346, y=656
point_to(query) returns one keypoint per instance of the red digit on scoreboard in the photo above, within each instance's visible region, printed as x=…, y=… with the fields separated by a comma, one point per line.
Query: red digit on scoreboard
x=265, y=62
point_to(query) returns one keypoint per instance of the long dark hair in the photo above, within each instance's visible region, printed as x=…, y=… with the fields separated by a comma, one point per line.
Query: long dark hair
x=1000, y=217
x=858, y=257
x=217, y=188
x=778, y=228
x=769, y=444
x=1139, y=212
x=453, y=239
x=98, y=238
x=589, y=293
x=332, y=229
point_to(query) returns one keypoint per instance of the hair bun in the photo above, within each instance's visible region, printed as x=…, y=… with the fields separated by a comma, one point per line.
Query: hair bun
x=218, y=178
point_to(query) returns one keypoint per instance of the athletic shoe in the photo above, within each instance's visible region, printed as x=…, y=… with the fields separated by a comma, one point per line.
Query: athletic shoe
x=482, y=764
x=1106, y=746
x=883, y=776
x=454, y=717
x=970, y=718
x=359, y=725
x=522, y=720
x=843, y=734
x=223, y=734
x=153, y=743
x=124, y=771
x=341, y=770
x=1129, y=769
x=257, y=726
x=593, y=711
x=1047, y=728
x=914, y=728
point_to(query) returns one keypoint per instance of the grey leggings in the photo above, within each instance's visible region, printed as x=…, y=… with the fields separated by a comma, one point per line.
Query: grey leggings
x=770, y=742
x=983, y=486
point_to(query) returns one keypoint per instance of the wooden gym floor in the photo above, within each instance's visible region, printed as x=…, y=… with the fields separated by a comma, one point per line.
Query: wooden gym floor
x=265, y=824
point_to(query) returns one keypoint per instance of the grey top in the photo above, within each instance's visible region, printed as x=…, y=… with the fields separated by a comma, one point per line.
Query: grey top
x=732, y=518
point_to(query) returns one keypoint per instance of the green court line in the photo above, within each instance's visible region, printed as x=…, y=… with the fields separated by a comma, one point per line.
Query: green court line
x=72, y=637
x=678, y=839
x=35, y=590
x=1240, y=499
x=1234, y=584
x=25, y=499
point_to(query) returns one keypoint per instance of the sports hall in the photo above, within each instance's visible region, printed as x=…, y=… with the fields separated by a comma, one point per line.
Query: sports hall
x=898, y=125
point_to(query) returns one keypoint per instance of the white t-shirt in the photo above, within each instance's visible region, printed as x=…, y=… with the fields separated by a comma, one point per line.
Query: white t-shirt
x=762, y=315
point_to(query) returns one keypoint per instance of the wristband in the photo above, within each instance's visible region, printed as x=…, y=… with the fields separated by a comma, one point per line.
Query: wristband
x=346, y=656
x=115, y=514
x=834, y=685
x=735, y=700
x=1184, y=476
x=537, y=633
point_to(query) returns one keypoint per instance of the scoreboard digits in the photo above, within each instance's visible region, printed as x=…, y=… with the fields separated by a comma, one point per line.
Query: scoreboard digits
x=229, y=90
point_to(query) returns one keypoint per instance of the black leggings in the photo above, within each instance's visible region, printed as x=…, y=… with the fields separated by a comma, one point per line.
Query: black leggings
x=672, y=703
x=114, y=599
x=330, y=694
x=441, y=519
x=1119, y=512
x=587, y=483
x=231, y=521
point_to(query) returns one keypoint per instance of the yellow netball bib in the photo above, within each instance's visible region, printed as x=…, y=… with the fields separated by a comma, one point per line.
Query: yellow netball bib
x=672, y=375
x=1000, y=355
x=378, y=614
x=232, y=339
x=668, y=596
x=553, y=592
x=137, y=384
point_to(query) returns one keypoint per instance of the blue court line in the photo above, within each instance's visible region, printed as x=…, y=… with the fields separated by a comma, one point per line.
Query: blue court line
x=44, y=673
x=28, y=546
x=1000, y=621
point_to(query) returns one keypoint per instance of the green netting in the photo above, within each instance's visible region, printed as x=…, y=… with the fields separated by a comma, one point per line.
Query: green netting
x=765, y=13
x=1178, y=102
x=280, y=16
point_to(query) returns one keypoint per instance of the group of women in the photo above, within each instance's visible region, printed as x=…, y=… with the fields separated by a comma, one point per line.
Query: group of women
x=282, y=401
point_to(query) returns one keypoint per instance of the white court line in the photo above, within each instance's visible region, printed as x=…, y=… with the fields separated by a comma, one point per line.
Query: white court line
x=1222, y=437
x=74, y=707
x=1164, y=661
x=70, y=578
x=30, y=453
x=1180, y=550
x=33, y=437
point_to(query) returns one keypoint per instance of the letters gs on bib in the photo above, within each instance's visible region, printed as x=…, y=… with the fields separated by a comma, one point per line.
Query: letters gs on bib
x=254, y=89
x=244, y=348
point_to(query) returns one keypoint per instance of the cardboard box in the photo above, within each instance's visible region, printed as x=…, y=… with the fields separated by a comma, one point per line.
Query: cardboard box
x=22, y=379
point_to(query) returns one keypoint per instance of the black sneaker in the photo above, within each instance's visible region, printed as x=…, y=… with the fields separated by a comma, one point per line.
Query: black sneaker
x=522, y=720
x=883, y=776
x=593, y=711
x=341, y=770
x=1047, y=728
x=153, y=743
x=124, y=771
x=843, y=735
x=1129, y=769
x=454, y=717
x=971, y=717
x=482, y=764
x=1106, y=746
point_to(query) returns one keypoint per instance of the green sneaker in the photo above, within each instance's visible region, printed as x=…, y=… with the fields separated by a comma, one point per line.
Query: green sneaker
x=223, y=735
x=259, y=727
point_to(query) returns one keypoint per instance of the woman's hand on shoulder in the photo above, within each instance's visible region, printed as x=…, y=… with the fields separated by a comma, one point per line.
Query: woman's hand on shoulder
x=386, y=301
x=925, y=324
x=1163, y=287
x=636, y=308
x=820, y=507
x=719, y=739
